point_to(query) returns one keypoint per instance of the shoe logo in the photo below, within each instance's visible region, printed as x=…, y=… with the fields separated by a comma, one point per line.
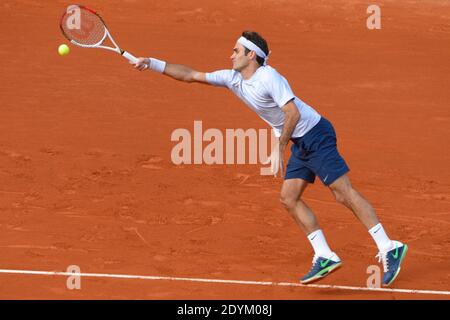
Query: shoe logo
x=395, y=255
x=323, y=264
x=325, y=180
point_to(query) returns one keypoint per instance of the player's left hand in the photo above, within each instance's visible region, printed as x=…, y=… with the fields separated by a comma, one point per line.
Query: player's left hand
x=281, y=161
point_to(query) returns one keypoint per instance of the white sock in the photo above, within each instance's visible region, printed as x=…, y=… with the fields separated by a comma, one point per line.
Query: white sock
x=383, y=242
x=319, y=244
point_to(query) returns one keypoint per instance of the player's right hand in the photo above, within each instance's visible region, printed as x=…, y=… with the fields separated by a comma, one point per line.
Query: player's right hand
x=142, y=64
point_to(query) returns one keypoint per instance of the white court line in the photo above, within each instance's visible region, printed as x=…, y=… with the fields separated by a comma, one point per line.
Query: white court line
x=258, y=283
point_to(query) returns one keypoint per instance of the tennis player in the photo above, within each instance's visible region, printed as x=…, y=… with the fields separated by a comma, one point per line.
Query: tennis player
x=313, y=152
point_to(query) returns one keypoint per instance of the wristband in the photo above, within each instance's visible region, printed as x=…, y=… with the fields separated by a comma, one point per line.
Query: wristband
x=157, y=65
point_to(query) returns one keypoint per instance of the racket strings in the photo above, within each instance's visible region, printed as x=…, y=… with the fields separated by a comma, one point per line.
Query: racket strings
x=87, y=28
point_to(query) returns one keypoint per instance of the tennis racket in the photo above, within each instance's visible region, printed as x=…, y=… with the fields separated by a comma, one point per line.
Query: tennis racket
x=85, y=28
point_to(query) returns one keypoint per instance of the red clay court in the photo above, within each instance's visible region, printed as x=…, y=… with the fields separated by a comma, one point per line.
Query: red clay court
x=87, y=178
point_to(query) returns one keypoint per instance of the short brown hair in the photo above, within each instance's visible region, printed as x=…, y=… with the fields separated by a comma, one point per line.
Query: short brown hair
x=259, y=41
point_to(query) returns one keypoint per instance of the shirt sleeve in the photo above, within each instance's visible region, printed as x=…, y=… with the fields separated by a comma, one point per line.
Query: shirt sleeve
x=279, y=89
x=221, y=78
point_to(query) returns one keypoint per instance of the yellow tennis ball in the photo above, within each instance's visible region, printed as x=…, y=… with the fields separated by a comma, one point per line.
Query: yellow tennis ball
x=63, y=50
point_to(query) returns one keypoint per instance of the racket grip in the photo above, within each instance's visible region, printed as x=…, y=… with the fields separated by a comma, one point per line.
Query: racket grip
x=130, y=57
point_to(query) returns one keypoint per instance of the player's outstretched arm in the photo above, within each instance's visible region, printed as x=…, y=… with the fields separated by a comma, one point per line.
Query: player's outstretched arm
x=175, y=71
x=184, y=73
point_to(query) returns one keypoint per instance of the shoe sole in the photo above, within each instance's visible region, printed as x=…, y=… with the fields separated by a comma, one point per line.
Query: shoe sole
x=322, y=274
x=399, y=266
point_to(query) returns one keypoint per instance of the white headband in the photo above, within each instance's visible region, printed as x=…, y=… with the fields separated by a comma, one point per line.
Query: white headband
x=251, y=46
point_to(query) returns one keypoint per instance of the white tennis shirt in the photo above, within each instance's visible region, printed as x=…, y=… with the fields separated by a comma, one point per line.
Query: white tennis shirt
x=265, y=93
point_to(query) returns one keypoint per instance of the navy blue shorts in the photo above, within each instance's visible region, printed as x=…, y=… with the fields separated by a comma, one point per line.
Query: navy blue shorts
x=316, y=154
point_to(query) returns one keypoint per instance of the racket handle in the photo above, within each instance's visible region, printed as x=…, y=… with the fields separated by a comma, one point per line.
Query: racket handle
x=130, y=57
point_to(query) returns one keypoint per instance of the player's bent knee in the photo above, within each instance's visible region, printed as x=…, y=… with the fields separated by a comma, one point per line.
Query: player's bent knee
x=339, y=197
x=342, y=197
x=288, y=202
x=346, y=196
